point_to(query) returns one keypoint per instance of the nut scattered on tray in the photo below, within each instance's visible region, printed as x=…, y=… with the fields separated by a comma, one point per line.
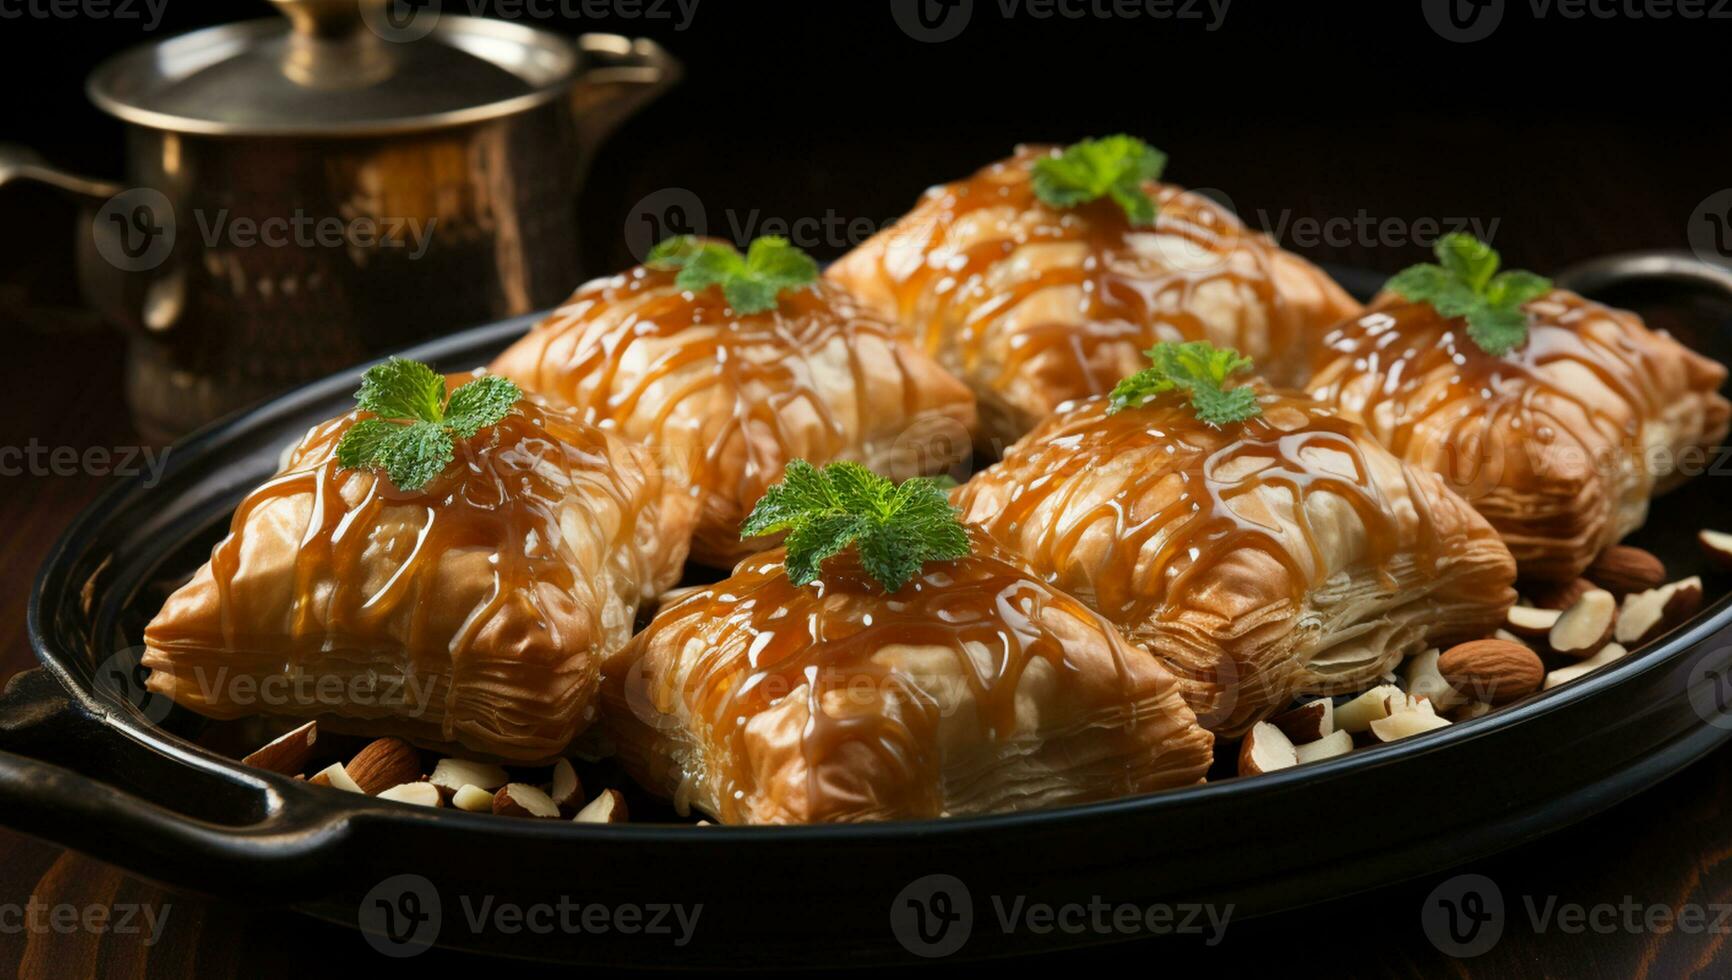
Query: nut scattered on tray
x=391, y=769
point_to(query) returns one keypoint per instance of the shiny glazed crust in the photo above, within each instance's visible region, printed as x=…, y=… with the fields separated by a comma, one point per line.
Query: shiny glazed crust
x=1560, y=443
x=975, y=689
x=1033, y=306
x=1288, y=554
x=727, y=400
x=474, y=613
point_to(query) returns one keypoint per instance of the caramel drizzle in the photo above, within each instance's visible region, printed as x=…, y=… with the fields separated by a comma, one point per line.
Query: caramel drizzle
x=761, y=638
x=494, y=497
x=756, y=360
x=952, y=303
x=1409, y=345
x=1155, y=556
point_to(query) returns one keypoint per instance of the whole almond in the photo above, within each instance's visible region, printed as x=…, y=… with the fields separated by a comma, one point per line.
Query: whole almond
x=1622, y=569
x=383, y=764
x=1494, y=671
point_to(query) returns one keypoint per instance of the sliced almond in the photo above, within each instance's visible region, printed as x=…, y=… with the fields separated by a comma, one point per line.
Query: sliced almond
x=1646, y=615
x=1327, y=747
x=1584, y=628
x=1265, y=749
x=1622, y=569
x=1405, y=724
x=1493, y=671
x=1530, y=623
x=1506, y=635
x=566, y=791
x=420, y=794
x=1356, y=715
x=385, y=763
x=474, y=799
x=1426, y=681
x=1560, y=595
x=1717, y=546
x=1608, y=653
x=454, y=774
x=609, y=807
x=523, y=800
x=1397, y=703
x=1308, y=722
x=289, y=754
x=336, y=777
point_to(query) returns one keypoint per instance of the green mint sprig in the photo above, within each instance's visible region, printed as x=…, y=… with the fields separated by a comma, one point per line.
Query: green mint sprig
x=1201, y=370
x=1115, y=167
x=895, y=528
x=752, y=283
x=411, y=436
x=1466, y=283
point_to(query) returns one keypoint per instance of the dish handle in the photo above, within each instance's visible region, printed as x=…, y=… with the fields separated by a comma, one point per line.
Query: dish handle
x=232, y=835
x=1678, y=266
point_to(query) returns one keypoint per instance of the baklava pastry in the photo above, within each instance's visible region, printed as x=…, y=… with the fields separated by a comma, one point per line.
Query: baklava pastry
x=1559, y=441
x=728, y=387
x=1034, y=294
x=973, y=688
x=471, y=612
x=1261, y=559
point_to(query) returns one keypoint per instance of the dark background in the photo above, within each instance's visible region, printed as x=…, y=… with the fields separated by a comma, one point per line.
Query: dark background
x=1578, y=137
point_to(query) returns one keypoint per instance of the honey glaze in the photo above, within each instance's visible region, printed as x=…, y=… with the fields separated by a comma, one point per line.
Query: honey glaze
x=746, y=644
x=1128, y=509
x=727, y=399
x=1137, y=285
x=503, y=496
x=1429, y=372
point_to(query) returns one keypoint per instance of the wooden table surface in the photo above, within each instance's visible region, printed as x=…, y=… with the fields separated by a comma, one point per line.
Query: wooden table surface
x=1558, y=191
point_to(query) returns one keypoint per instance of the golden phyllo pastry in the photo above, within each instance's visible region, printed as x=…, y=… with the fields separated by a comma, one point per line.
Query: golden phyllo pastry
x=1559, y=440
x=1283, y=554
x=473, y=611
x=728, y=388
x=1033, y=303
x=972, y=688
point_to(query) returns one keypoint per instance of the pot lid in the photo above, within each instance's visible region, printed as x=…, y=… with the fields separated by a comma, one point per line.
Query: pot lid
x=336, y=68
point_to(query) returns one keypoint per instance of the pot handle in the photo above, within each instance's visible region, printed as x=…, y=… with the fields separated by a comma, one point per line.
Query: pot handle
x=119, y=295
x=1664, y=265
x=293, y=850
x=617, y=76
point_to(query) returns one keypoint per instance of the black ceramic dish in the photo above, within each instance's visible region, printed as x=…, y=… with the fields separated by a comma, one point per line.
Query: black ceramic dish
x=83, y=766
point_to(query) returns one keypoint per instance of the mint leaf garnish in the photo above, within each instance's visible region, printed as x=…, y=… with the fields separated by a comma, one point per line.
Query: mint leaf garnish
x=1201, y=370
x=751, y=283
x=895, y=528
x=1466, y=283
x=1115, y=167
x=411, y=436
